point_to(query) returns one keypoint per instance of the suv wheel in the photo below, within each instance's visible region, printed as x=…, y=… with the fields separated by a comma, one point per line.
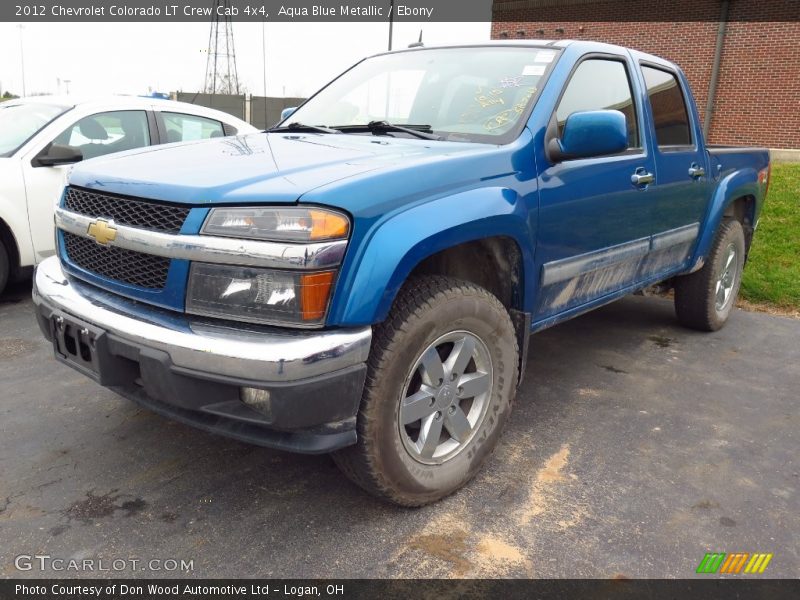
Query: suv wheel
x=442, y=374
x=704, y=299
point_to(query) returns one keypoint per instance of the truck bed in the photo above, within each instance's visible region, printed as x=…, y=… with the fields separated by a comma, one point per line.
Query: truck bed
x=724, y=159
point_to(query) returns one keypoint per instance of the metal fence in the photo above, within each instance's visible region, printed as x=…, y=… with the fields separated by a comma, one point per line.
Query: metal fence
x=259, y=111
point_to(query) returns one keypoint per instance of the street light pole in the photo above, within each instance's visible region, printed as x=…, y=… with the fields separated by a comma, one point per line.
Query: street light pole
x=264, y=60
x=22, y=57
x=391, y=22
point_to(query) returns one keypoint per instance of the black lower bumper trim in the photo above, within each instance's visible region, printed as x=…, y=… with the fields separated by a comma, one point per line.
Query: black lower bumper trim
x=312, y=416
x=305, y=442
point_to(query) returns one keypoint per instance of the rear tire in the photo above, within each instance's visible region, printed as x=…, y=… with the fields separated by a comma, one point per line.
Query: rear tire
x=4, y=267
x=704, y=299
x=441, y=378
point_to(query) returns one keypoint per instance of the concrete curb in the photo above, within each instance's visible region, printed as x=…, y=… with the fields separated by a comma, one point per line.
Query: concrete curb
x=783, y=155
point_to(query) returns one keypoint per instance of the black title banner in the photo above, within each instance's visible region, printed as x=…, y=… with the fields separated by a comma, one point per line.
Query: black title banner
x=542, y=589
x=397, y=10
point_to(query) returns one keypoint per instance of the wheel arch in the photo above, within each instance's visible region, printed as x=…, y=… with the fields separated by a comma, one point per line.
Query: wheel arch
x=738, y=196
x=493, y=263
x=433, y=238
x=9, y=241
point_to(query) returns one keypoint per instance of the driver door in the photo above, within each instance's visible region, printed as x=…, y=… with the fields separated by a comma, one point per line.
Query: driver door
x=595, y=214
x=95, y=135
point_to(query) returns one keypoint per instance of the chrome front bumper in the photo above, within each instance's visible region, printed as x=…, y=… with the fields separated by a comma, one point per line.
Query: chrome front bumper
x=261, y=354
x=293, y=390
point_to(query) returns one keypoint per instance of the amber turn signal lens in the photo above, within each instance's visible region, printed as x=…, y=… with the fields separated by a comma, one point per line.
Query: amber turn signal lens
x=326, y=225
x=315, y=289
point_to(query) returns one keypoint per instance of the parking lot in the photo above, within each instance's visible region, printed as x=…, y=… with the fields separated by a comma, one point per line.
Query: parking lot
x=634, y=448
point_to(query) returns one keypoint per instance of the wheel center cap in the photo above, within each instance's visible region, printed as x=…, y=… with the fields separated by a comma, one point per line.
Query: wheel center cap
x=445, y=396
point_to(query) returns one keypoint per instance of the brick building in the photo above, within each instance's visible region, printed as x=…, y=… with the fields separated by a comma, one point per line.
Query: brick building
x=757, y=97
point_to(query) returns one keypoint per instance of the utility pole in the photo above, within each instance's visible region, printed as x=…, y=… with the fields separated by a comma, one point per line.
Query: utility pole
x=264, y=59
x=391, y=22
x=21, y=28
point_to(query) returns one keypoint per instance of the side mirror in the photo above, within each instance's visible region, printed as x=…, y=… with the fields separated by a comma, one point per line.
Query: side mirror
x=58, y=154
x=590, y=133
x=287, y=112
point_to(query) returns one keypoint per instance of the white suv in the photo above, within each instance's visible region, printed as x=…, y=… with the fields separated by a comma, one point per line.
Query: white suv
x=41, y=136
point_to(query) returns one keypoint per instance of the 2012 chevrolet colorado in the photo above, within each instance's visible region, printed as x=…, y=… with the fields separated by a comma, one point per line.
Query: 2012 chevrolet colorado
x=363, y=278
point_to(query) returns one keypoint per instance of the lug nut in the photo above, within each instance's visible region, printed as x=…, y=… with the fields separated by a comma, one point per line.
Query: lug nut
x=438, y=415
x=452, y=410
x=460, y=391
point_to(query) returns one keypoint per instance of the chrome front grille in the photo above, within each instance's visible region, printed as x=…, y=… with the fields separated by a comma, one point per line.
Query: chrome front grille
x=127, y=211
x=127, y=266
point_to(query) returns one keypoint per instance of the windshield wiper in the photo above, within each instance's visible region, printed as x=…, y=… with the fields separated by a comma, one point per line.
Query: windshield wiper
x=303, y=127
x=376, y=127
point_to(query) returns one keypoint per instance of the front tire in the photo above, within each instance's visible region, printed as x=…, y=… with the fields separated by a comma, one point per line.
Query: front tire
x=441, y=378
x=704, y=299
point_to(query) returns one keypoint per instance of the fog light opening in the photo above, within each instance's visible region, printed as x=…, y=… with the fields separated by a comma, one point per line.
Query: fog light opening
x=255, y=398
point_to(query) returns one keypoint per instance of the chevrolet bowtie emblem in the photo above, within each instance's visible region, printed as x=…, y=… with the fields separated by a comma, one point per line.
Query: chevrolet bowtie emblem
x=102, y=231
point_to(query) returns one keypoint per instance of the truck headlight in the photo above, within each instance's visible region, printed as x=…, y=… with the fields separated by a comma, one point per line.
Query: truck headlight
x=288, y=224
x=259, y=295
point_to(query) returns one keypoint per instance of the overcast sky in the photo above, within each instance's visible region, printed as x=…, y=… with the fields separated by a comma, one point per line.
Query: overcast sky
x=132, y=58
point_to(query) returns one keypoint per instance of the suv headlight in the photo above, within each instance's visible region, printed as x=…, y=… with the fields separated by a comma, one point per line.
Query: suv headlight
x=290, y=224
x=259, y=295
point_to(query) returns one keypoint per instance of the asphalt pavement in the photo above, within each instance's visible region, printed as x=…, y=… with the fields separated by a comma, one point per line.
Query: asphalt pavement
x=635, y=447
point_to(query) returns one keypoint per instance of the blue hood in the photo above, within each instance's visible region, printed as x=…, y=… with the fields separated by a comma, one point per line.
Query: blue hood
x=281, y=168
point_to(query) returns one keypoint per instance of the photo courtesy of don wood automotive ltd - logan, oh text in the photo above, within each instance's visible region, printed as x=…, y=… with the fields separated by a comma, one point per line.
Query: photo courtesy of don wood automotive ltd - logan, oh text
x=399, y=299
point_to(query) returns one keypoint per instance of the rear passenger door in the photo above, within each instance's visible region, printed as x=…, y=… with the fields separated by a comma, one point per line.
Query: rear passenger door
x=180, y=127
x=594, y=213
x=682, y=189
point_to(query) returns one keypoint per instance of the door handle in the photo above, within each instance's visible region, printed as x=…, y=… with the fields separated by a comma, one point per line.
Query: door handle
x=696, y=171
x=642, y=177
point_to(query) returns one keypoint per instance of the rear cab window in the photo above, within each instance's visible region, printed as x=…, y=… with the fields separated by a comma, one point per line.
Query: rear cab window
x=668, y=106
x=179, y=127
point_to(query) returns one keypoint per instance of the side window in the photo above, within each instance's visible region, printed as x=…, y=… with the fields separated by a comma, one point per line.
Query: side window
x=669, y=108
x=600, y=84
x=106, y=133
x=183, y=128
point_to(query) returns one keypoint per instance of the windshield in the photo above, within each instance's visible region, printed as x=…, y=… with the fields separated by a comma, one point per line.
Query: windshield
x=20, y=122
x=464, y=94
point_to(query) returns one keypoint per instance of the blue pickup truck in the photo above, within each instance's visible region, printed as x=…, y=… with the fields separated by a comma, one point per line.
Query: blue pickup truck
x=363, y=278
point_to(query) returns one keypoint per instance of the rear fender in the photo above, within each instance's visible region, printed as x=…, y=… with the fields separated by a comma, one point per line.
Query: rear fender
x=736, y=185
